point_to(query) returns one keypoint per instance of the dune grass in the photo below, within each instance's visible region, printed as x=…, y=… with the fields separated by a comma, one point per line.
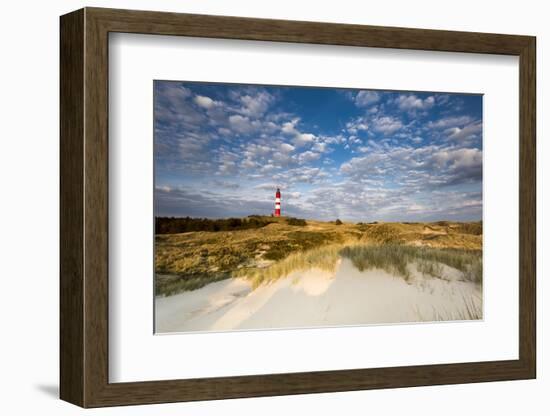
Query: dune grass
x=167, y=285
x=190, y=260
x=323, y=258
x=297, y=241
x=393, y=258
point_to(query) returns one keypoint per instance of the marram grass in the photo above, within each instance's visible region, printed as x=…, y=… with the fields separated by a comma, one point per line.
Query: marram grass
x=323, y=258
x=393, y=258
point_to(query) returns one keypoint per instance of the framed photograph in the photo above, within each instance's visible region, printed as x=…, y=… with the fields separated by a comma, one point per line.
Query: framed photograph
x=255, y=207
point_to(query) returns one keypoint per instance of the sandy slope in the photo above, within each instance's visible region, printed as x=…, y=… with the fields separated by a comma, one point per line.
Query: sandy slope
x=317, y=298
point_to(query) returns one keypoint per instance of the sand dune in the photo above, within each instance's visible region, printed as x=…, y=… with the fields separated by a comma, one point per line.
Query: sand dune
x=318, y=298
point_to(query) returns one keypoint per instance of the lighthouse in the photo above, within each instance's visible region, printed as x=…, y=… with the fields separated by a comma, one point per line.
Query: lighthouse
x=278, y=203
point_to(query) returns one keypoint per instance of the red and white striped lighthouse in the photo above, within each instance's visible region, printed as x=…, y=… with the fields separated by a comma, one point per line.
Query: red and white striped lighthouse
x=278, y=203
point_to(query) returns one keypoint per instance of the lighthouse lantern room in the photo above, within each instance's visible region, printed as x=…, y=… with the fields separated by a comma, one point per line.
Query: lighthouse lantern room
x=278, y=203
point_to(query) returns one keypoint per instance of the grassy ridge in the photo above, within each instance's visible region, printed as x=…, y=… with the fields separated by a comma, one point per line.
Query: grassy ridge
x=323, y=258
x=187, y=261
x=394, y=259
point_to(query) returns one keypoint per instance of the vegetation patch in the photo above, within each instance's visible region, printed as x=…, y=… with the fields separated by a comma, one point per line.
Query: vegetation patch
x=475, y=228
x=383, y=233
x=167, y=285
x=297, y=241
x=170, y=225
x=296, y=221
x=190, y=260
x=323, y=258
x=395, y=259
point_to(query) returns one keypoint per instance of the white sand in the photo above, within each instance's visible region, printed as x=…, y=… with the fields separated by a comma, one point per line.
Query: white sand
x=317, y=298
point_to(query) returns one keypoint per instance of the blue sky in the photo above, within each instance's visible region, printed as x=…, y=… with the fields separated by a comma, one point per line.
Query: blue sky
x=359, y=155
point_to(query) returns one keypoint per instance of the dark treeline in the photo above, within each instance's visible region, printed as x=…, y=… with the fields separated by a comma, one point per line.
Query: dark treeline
x=171, y=225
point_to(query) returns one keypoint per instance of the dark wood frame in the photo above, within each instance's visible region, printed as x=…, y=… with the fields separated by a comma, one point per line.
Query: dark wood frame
x=84, y=208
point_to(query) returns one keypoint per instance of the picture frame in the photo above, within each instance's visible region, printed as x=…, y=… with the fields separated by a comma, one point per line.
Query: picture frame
x=84, y=216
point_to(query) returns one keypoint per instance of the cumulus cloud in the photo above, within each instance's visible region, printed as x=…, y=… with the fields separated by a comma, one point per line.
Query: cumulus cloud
x=302, y=139
x=467, y=132
x=447, y=122
x=289, y=127
x=241, y=124
x=412, y=102
x=365, y=98
x=429, y=166
x=320, y=147
x=387, y=124
x=204, y=102
x=223, y=150
x=308, y=156
x=356, y=125
x=286, y=147
x=257, y=104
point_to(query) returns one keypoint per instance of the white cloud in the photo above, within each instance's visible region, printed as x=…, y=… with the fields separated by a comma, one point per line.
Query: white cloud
x=373, y=110
x=189, y=145
x=256, y=105
x=286, y=147
x=308, y=156
x=446, y=122
x=387, y=124
x=242, y=124
x=204, y=102
x=175, y=95
x=228, y=167
x=302, y=139
x=164, y=188
x=289, y=127
x=364, y=98
x=340, y=139
x=412, y=102
x=320, y=147
x=247, y=163
x=467, y=132
x=356, y=125
x=424, y=167
x=459, y=158
x=238, y=150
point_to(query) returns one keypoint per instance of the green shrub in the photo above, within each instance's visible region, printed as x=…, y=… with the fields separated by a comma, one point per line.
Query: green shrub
x=296, y=221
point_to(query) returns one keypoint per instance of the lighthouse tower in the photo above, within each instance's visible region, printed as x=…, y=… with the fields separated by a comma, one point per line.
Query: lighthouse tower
x=278, y=203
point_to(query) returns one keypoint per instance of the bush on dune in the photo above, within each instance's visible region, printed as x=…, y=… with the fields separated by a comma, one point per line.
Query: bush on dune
x=296, y=221
x=172, y=225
